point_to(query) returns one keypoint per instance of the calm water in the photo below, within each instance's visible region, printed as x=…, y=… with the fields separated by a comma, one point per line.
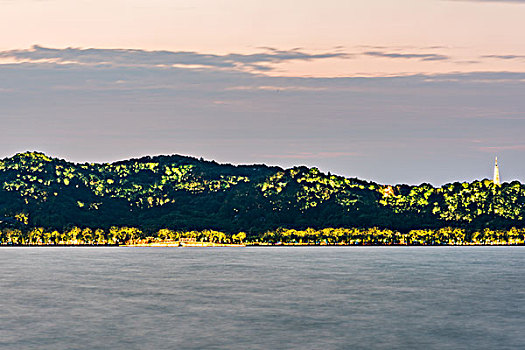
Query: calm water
x=263, y=298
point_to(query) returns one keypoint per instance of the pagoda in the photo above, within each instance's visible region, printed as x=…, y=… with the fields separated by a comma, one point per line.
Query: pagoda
x=496, y=173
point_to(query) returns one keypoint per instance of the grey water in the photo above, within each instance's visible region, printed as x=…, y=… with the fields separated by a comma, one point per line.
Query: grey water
x=263, y=298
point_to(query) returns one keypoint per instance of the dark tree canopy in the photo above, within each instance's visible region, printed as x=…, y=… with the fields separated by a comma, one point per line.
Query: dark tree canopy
x=185, y=193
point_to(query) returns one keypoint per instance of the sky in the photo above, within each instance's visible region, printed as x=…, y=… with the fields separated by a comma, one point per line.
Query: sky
x=392, y=91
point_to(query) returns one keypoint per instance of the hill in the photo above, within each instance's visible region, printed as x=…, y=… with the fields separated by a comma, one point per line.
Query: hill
x=185, y=193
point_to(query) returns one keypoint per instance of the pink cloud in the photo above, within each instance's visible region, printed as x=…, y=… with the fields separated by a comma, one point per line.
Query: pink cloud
x=503, y=148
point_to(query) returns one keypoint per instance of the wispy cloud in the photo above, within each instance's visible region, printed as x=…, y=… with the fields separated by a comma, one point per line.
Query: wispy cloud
x=127, y=106
x=505, y=57
x=519, y=147
x=128, y=57
x=419, y=56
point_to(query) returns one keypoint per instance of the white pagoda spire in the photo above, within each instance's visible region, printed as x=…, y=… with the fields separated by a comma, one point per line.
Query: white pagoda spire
x=496, y=173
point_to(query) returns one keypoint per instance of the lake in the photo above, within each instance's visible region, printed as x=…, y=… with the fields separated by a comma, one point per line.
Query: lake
x=262, y=298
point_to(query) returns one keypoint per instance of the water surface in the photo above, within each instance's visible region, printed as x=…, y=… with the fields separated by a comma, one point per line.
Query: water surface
x=263, y=298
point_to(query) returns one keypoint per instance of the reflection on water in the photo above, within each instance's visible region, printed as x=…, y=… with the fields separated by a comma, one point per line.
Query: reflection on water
x=263, y=298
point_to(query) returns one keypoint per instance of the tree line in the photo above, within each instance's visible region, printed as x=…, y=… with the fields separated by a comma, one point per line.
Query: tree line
x=326, y=236
x=186, y=194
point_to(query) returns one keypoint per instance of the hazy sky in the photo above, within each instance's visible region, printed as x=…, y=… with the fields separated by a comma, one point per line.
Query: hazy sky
x=395, y=91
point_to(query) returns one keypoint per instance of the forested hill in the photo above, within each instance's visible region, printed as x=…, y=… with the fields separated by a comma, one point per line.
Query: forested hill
x=185, y=193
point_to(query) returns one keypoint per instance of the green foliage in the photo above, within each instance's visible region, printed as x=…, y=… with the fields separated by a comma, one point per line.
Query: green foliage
x=309, y=236
x=184, y=194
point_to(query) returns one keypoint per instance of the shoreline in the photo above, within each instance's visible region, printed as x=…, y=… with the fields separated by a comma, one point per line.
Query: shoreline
x=218, y=245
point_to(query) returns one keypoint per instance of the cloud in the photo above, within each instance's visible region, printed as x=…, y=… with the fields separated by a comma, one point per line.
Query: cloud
x=419, y=56
x=128, y=57
x=115, y=105
x=519, y=147
x=506, y=57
